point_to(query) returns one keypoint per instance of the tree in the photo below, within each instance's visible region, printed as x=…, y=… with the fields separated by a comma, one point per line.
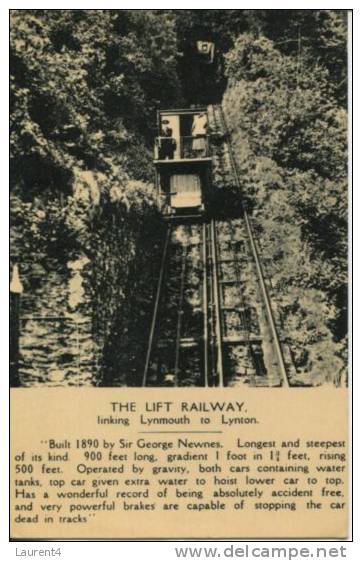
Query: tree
x=289, y=133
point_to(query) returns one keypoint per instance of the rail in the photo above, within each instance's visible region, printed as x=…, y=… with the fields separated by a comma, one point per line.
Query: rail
x=216, y=287
x=156, y=307
x=208, y=339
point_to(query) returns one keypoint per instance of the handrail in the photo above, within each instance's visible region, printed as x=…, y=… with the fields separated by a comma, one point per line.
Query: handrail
x=182, y=147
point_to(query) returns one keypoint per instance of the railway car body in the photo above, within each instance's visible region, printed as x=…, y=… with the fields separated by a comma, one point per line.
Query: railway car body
x=182, y=161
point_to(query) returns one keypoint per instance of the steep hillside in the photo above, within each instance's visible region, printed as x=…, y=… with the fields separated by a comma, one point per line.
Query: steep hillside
x=288, y=125
x=85, y=86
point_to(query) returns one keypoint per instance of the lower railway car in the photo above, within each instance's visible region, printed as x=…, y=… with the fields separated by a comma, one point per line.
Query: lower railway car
x=182, y=161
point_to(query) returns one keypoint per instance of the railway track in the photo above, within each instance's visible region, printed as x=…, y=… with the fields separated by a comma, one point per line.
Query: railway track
x=213, y=322
x=184, y=347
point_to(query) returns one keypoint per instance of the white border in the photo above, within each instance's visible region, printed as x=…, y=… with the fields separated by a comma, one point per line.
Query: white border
x=160, y=551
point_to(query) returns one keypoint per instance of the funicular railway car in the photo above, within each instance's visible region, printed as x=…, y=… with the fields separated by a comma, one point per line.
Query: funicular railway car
x=182, y=161
x=206, y=49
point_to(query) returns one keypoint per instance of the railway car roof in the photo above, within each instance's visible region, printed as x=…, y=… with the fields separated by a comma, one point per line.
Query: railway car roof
x=189, y=111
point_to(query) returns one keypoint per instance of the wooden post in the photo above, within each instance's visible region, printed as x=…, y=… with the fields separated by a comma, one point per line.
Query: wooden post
x=16, y=289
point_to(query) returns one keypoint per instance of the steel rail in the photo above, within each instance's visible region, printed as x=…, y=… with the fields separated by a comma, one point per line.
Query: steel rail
x=216, y=288
x=156, y=306
x=267, y=303
x=205, y=305
x=211, y=323
x=180, y=313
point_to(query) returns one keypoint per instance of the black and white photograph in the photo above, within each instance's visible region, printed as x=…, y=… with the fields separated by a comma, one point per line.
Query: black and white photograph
x=178, y=198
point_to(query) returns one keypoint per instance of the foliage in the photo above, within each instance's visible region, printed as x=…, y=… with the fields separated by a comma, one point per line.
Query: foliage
x=84, y=88
x=312, y=36
x=289, y=133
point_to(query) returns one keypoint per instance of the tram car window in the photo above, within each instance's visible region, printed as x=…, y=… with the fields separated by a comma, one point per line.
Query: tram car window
x=166, y=143
x=198, y=131
x=182, y=135
x=185, y=191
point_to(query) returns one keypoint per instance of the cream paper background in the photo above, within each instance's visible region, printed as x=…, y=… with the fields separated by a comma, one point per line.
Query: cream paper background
x=317, y=414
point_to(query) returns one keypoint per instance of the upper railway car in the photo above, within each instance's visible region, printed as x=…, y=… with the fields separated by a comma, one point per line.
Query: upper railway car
x=182, y=161
x=206, y=49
